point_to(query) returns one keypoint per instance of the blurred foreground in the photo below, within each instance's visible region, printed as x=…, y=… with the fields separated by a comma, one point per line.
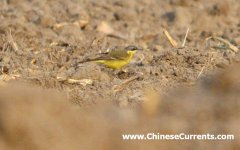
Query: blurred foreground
x=33, y=118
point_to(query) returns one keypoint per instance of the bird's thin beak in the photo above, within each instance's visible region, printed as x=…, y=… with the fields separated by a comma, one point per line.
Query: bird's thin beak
x=139, y=48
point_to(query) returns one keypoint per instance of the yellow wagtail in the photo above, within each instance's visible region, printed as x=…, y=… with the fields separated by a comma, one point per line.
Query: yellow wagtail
x=115, y=59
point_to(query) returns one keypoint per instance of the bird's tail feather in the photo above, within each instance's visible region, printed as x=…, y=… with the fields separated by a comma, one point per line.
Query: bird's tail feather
x=88, y=60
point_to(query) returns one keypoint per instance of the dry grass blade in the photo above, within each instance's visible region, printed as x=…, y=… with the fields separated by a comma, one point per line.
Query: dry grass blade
x=60, y=25
x=82, y=82
x=231, y=46
x=78, y=23
x=170, y=39
x=185, y=38
x=11, y=41
x=7, y=78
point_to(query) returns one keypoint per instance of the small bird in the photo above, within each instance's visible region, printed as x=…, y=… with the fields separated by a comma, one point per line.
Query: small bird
x=115, y=59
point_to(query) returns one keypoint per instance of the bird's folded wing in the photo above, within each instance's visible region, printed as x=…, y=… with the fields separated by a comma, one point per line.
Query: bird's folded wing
x=113, y=55
x=120, y=55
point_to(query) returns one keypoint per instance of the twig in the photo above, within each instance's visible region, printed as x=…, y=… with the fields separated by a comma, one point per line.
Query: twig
x=200, y=73
x=170, y=39
x=205, y=66
x=120, y=87
x=185, y=38
x=231, y=46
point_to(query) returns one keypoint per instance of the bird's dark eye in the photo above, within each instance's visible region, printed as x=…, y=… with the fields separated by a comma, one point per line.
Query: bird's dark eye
x=132, y=47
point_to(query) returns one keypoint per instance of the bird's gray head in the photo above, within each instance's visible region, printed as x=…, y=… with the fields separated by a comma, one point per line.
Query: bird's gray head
x=132, y=48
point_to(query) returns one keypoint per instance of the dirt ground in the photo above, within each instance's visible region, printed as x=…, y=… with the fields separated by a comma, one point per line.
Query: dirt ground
x=50, y=101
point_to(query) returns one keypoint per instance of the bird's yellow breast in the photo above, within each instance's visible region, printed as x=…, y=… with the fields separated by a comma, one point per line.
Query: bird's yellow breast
x=118, y=63
x=115, y=64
